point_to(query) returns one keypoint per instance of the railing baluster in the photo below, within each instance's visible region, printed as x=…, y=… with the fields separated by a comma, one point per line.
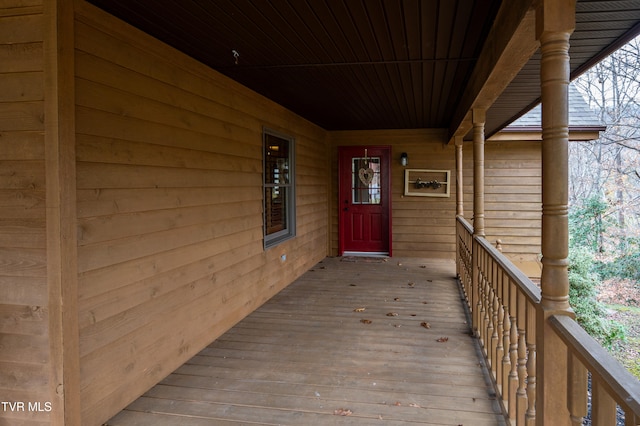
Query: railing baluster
x=505, y=368
x=462, y=264
x=490, y=315
x=468, y=245
x=481, y=287
x=458, y=250
x=499, y=359
x=513, y=348
x=462, y=260
x=477, y=290
x=603, y=406
x=493, y=318
x=521, y=396
x=530, y=417
x=485, y=302
x=576, y=389
x=470, y=266
x=513, y=374
x=505, y=365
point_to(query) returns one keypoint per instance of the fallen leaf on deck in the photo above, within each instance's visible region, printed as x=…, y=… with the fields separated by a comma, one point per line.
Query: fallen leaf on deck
x=365, y=321
x=429, y=281
x=414, y=405
x=423, y=266
x=412, y=284
x=396, y=298
x=359, y=309
x=443, y=339
x=342, y=412
x=397, y=404
x=425, y=324
x=397, y=325
x=392, y=314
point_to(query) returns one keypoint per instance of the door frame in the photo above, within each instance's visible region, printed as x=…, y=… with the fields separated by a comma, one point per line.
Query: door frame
x=341, y=175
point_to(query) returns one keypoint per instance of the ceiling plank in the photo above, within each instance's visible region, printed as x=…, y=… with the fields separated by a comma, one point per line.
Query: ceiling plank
x=373, y=64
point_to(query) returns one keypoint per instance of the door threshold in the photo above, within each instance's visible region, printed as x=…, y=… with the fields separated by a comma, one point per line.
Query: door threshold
x=366, y=253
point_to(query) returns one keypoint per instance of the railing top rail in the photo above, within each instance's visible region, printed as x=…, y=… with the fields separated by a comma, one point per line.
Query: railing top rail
x=465, y=224
x=620, y=383
x=531, y=291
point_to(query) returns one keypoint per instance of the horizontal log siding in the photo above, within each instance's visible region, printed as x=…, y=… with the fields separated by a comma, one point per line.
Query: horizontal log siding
x=169, y=177
x=513, y=197
x=24, y=337
x=422, y=226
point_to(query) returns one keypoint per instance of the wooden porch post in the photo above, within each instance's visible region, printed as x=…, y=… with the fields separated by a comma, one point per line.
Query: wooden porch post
x=555, y=21
x=478, y=120
x=459, y=177
x=459, y=195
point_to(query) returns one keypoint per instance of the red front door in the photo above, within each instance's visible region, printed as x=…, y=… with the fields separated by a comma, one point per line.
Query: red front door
x=365, y=201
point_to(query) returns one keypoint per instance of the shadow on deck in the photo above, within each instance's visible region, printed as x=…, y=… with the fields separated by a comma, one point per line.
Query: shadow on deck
x=363, y=341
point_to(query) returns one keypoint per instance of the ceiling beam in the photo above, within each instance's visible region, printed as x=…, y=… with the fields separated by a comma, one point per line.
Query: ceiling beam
x=510, y=44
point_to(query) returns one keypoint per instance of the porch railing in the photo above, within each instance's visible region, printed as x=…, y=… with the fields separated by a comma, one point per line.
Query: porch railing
x=611, y=384
x=504, y=305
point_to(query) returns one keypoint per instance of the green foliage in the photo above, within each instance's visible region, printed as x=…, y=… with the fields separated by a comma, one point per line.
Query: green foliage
x=626, y=263
x=634, y=367
x=590, y=313
x=587, y=224
x=589, y=229
x=581, y=261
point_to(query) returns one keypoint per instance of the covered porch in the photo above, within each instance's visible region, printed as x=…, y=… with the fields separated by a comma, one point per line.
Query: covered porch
x=369, y=339
x=134, y=228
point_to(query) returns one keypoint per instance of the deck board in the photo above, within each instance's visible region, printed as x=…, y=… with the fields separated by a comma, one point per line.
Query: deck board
x=305, y=354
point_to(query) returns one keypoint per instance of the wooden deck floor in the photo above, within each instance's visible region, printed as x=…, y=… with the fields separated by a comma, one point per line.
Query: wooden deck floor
x=308, y=355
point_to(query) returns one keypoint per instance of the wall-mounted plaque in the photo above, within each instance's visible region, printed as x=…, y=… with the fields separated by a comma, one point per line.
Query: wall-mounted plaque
x=426, y=183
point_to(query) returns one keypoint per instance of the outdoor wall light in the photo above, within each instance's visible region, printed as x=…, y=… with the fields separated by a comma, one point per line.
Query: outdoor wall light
x=404, y=159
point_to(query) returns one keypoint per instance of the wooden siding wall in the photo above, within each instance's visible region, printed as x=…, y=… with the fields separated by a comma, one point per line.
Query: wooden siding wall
x=169, y=177
x=24, y=341
x=513, y=198
x=422, y=226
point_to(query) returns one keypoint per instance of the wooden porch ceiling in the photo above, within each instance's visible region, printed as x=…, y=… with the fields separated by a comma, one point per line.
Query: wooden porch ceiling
x=345, y=336
x=379, y=64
